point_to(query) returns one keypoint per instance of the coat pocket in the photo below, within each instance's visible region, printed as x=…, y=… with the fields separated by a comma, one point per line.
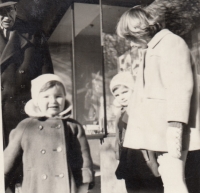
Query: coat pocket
x=158, y=99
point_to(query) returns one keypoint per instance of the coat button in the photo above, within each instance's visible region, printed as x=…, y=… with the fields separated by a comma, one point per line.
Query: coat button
x=44, y=176
x=59, y=149
x=58, y=127
x=40, y=127
x=43, y=151
x=22, y=86
x=21, y=71
x=61, y=175
x=2, y=88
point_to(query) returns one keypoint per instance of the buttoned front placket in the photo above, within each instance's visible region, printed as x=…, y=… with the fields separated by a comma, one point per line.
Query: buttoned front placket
x=54, y=152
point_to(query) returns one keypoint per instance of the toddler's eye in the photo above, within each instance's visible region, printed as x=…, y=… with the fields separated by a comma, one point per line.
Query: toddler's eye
x=59, y=96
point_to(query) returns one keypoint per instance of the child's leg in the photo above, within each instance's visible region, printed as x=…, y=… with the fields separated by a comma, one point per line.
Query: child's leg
x=172, y=171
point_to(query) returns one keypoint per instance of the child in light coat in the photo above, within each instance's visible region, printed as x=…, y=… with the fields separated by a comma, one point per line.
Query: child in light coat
x=138, y=167
x=164, y=112
x=54, y=149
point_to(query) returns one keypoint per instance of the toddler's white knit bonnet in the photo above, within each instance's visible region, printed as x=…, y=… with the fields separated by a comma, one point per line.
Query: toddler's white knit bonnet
x=36, y=85
x=39, y=82
x=122, y=78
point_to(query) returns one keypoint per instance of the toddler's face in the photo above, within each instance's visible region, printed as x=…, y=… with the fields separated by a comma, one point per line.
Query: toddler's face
x=122, y=95
x=52, y=101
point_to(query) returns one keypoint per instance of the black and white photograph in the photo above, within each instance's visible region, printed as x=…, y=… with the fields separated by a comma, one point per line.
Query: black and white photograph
x=100, y=96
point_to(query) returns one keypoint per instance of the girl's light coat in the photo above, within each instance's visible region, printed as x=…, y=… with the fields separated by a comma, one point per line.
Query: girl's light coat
x=166, y=90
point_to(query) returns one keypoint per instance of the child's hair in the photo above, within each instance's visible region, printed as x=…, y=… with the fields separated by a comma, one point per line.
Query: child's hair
x=51, y=84
x=136, y=23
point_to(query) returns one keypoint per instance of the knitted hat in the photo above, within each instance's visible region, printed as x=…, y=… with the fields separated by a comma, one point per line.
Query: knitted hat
x=36, y=86
x=122, y=78
x=39, y=82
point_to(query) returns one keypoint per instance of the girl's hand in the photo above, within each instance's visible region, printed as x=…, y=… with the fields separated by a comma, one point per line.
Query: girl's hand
x=172, y=171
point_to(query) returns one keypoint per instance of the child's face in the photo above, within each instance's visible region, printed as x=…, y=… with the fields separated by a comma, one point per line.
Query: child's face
x=52, y=101
x=122, y=95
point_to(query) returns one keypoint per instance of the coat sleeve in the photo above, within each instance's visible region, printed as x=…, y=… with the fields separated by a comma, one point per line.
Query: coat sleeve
x=87, y=170
x=13, y=152
x=80, y=157
x=178, y=78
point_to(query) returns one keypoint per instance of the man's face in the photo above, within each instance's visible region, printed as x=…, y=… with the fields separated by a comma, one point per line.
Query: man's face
x=7, y=16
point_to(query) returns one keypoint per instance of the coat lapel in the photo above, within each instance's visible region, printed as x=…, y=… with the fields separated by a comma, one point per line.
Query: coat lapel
x=14, y=45
x=3, y=42
x=158, y=37
x=140, y=76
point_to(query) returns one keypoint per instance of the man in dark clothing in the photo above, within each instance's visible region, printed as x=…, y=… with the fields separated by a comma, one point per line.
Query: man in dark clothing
x=24, y=55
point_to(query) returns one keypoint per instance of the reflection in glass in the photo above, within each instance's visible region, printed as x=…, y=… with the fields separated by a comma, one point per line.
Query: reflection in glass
x=60, y=45
x=88, y=68
x=118, y=56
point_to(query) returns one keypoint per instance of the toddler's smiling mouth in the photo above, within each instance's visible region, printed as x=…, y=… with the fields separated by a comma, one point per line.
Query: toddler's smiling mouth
x=53, y=107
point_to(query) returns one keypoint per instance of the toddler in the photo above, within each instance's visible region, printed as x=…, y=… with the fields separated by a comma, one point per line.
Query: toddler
x=138, y=167
x=53, y=147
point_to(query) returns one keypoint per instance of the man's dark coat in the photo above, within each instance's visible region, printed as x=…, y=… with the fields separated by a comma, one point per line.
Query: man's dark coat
x=23, y=57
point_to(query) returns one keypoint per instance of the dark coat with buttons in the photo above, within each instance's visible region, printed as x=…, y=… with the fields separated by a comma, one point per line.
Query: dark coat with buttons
x=53, y=151
x=24, y=57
